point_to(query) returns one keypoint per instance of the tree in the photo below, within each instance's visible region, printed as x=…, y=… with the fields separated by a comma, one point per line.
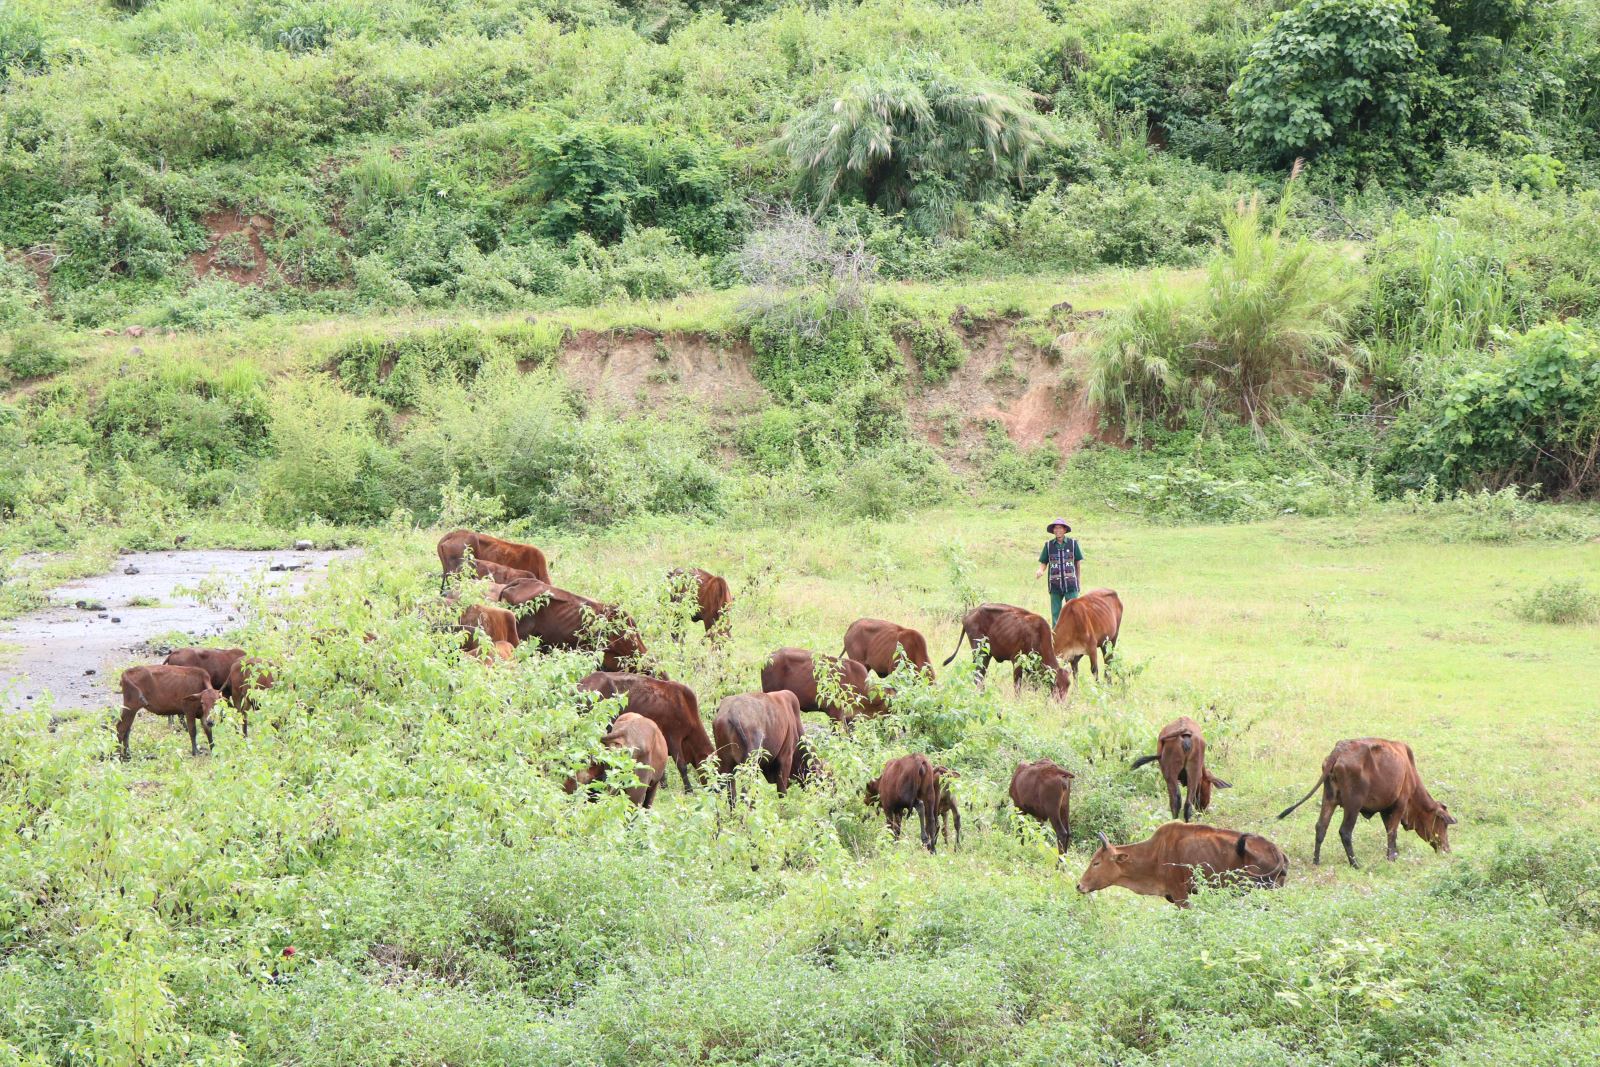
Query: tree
x=917, y=139
x=1328, y=74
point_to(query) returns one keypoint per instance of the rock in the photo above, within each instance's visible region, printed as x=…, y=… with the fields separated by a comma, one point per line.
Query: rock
x=130, y=569
x=135, y=351
x=1063, y=308
x=304, y=546
x=277, y=567
x=133, y=331
x=115, y=618
x=90, y=605
x=89, y=673
x=103, y=615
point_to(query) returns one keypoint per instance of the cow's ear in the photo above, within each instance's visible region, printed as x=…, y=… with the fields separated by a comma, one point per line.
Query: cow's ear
x=1120, y=857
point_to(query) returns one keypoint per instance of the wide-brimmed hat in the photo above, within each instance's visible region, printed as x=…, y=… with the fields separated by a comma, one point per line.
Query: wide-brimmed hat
x=1050, y=527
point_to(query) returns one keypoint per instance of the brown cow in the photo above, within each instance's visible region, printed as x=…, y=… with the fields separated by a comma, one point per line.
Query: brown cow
x=246, y=677
x=561, y=619
x=454, y=546
x=499, y=573
x=1166, y=864
x=1370, y=776
x=670, y=705
x=879, y=644
x=795, y=669
x=1043, y=789
x=641, y=738
x=711, y=596
x=947, y=804
x=1006, y=633
x=216, y=662
x=496, y=624
x=908, y=783
x=168, y=690
x=751, y=723
x=1088, y=626
x=1181, y=751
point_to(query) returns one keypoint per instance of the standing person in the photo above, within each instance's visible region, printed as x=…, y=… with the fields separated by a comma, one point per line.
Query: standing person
x=1063, y=559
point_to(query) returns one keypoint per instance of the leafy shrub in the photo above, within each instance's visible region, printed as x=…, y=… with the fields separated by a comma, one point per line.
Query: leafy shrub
x=1330, y=73
x=1560, y=873
x=34, y=353
x=399, y=369
x=327, y=460
x=1525, y=416
x=914, y=138
x=938, y=349
x=809, y=346
x=1271, y=318
x=646, y=264
x=1016, y=470
x=1560, y=602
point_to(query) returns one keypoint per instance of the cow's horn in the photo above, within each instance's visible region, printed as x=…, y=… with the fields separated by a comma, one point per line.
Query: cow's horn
x=1103, y=841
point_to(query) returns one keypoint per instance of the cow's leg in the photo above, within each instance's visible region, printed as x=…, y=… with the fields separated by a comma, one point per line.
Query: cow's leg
x=1188, y=803
x=125, y=727
x=957, y=815
x=894, y=824
x=1095, y=667
x=1347, y=829
x=980, y=660
x=1391, y=823
x=675, y=754
x=205, y=724
x=189, y=723
x=650, y=792
x=1324, y=817
x=1174, y=803
x=785, y=766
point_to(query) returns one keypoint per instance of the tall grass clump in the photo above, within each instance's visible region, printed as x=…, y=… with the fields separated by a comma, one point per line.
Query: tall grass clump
x=1272, y=320
x=1559, y=601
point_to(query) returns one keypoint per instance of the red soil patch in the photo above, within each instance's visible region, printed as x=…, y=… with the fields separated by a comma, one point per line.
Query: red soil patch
x=241, y=259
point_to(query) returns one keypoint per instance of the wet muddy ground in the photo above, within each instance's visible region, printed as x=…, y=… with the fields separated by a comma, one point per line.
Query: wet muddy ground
x=72, y=655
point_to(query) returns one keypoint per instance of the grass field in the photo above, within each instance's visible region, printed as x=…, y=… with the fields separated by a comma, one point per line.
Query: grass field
x=395, y=817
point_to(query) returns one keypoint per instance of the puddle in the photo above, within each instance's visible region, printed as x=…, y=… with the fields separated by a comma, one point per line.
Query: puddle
x=76, y=654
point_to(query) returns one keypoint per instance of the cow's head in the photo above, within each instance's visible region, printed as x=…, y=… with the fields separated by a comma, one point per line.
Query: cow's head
x=1063, y=687
x=1433, y=826
x=208, y=700
x=870, y=794
x=1105, y=867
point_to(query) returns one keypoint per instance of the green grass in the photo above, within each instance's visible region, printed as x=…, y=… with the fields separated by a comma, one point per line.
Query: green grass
x=395, y=817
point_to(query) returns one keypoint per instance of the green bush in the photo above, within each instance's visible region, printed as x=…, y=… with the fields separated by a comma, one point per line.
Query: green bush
x=328, y=461
x=1527, y=415
x=35, y=352
x=810, y=345
x=1560, y=602
x=1331, y=74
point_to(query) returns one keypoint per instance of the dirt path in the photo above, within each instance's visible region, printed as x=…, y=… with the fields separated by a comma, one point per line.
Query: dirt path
x=74, y=653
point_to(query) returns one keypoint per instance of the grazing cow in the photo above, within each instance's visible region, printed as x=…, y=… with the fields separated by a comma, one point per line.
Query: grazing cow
x=1166, y=864
x=499, y=573
x=495, y=624
x=879, y=644
x=795, y=669
x=908, y=783
x=711, y=596
x=1088, y=626
x=246, y=677
x=947, y=804
x=560, y=619
x=670, y=705
x=216, y=662
x=1370, y=776
x=1043, y=789
x=1006, y=633
x=764, y=723
x=1181, y=752
x=454, y=546
x=168, y=690
x=495, y=652
x=642, y=739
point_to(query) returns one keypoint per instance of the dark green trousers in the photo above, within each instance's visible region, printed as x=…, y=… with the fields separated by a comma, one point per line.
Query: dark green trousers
x=1058, y=599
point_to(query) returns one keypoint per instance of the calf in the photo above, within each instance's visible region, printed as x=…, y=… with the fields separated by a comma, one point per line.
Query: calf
x=711, y=596
x=947, y=804
x=795, y=669
x=1043, y=789
x=1166, y=865
x=879, y=644
x=643, y=740
x=457, y=544
x=758, y=725
x=245, y=679
x=1370, y=776
x=1181, y=752
x=908, y=783
x=672, y=706
x=494, y=623
x=1007, y=633
x=1088, y=626
x=216, y=662
x=167, y=690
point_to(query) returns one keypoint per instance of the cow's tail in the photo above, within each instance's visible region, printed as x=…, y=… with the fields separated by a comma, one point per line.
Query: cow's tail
x=959, y=639
x=1286, y=812
x=1141, y=761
